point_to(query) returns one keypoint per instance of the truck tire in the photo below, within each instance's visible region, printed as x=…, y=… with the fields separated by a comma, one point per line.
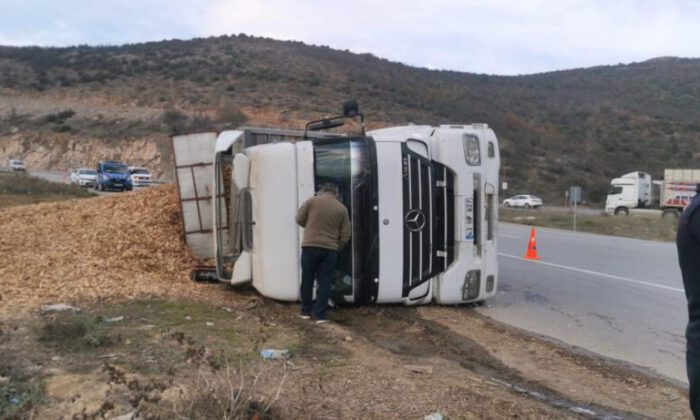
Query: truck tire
x=622, y=211
x=671, y=214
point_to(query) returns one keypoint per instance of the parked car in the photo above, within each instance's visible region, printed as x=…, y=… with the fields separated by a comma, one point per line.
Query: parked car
x=84, y=177
x=527, y=201
x=17, y=165
x=112, y=175
x=140, y=177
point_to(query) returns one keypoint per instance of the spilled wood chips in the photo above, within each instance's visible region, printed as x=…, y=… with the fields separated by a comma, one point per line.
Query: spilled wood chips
x=120, y=247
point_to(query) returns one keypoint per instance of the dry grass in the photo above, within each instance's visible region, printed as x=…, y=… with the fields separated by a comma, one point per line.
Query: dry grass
x=641, y=227
x=22, y=189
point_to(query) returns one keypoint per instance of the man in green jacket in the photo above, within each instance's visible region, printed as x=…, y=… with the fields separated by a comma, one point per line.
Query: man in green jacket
x=326, y=231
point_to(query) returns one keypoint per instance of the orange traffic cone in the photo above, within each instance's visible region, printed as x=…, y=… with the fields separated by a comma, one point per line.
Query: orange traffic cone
x=532, y=246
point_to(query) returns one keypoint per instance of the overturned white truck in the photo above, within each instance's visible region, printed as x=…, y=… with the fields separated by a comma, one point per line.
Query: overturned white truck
x=422, y=202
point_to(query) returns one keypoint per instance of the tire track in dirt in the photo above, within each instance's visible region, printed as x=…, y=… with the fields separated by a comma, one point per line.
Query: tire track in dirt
x=428, y=339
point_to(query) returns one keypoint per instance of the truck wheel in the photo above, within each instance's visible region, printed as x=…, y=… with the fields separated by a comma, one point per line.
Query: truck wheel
x=670, y=214
x=622, y=211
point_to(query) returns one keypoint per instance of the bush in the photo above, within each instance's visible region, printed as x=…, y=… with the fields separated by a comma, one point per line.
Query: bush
x=230, y=115
x=63, y=128
x=64, y=115
x=61, y=117
x=200, y=122
x=70, y=331
x=18, y=397
x=175, y=120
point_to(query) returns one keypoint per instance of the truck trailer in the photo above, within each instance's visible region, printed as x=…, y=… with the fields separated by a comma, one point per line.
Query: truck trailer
x=422, y=202
x=678, y=188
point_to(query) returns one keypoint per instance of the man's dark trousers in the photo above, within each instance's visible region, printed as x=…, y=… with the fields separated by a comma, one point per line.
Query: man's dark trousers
x=317, y=263
x=692, y=360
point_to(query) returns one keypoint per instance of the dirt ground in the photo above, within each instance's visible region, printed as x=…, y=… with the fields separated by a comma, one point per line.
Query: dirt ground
x=170, y=358
x=149, y=343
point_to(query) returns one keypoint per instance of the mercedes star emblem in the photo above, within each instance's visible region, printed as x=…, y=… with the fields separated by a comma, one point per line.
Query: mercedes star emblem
x=415, y=220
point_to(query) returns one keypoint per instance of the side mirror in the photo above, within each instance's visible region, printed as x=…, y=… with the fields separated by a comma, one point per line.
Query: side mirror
x=325, y=124
x=350, y=109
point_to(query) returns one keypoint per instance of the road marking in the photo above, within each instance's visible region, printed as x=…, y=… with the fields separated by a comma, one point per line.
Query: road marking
x=595, y=273
x=505, y=235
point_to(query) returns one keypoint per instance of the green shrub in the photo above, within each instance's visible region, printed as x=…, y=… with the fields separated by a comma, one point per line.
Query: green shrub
x=71, y=331
x=175, y=120
x=18, y=397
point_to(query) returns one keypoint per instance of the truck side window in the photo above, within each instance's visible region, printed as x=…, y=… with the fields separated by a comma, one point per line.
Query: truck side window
x=491, y=150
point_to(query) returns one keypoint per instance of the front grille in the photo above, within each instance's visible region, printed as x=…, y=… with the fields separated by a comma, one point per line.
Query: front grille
x=418, y=206
x=444, y=238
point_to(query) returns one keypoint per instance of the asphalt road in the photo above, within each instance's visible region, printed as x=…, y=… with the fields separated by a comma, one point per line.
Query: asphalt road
x=618, y=297
x=62, y=177
x=53, y=176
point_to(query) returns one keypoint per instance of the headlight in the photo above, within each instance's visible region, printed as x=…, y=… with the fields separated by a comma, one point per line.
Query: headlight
x=490, y=283
x=471, y=149
x=472, y=284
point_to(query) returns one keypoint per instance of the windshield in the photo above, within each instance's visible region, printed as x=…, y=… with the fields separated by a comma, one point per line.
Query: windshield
x=140, y=171
x=346, y=164
x=16, y=162
x=115, y=168
x=615, y=189
x=87, y=172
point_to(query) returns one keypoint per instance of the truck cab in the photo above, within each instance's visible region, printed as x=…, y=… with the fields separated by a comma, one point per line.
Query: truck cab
x=630, y=191
x=422, y=202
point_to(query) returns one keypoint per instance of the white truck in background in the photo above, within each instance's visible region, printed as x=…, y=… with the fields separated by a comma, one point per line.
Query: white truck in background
x=675, y=192
x=630, y=191
x=422, y=202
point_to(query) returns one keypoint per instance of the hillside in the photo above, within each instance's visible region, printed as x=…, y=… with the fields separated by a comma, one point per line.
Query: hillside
x=61, y=107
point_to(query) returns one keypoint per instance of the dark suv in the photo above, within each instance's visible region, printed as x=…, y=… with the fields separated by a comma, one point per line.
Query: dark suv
x=112, y=175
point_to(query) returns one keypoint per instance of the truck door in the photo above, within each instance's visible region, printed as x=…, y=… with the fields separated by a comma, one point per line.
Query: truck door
x=350, y=164
x=193, y=156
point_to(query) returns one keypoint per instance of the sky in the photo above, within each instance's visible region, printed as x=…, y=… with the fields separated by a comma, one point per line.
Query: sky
x=505, y=37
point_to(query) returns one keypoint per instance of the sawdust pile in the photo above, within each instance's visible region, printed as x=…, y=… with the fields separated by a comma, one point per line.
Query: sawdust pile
x=106, y=248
